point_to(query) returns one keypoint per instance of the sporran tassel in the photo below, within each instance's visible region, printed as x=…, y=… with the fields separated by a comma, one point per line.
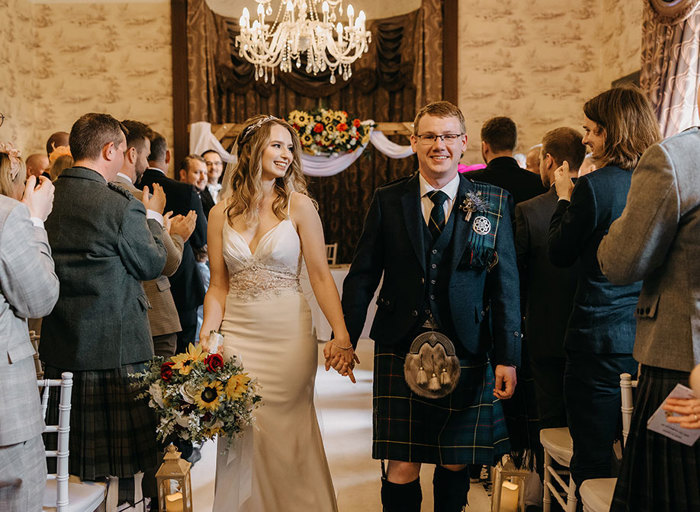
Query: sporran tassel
x=445, y=379
x=434, y=385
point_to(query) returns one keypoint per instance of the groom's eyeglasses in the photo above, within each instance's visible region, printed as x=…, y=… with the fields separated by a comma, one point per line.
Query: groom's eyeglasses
x=428, y=139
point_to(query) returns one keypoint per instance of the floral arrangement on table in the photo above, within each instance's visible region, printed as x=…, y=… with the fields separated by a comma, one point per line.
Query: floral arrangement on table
x=329, y=132
x=197, y=395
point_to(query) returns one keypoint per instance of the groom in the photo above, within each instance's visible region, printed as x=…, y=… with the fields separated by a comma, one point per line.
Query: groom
x=444, y=245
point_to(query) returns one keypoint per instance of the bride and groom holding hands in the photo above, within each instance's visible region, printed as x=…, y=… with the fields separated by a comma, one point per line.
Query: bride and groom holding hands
x=444, y=247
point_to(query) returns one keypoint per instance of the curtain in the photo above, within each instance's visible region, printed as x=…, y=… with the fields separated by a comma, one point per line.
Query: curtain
x=401, y=71
x=670, y=65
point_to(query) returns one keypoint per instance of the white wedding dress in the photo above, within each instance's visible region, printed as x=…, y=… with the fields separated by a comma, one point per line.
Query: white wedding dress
x=280, y=463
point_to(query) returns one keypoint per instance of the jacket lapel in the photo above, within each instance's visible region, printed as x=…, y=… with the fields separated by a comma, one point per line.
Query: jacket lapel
x=413, y=216
x=461, y=234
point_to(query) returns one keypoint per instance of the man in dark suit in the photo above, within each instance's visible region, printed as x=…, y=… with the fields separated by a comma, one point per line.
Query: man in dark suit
x=548, y=290
x=499, y=137
x=445, y=248
x=193, y=171
x=104, y=243
x=186, y=283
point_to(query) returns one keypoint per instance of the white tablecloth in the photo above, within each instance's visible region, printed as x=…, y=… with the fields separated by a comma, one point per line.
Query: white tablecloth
x=322, y=329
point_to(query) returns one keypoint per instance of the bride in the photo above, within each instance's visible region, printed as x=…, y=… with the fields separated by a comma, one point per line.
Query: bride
x=256, y=238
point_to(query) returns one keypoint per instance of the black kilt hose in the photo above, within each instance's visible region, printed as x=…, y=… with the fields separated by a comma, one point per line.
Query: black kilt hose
x=111, y=432
x=465, y=427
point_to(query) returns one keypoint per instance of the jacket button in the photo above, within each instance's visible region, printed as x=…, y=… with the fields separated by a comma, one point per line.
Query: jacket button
x=516, y=333
x=414, y=312
x=483, y=313
x=434, y=251
x=432, y=297
x=433, y=281
x=433, y=265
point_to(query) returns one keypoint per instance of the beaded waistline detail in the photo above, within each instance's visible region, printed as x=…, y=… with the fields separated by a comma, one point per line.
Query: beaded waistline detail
x=263, y=281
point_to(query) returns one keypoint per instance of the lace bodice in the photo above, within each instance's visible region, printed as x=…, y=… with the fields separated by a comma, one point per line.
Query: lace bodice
x=273, y=268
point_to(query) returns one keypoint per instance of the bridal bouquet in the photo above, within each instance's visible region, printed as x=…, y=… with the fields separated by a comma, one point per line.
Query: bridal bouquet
x=197, y=395
x=328, y=132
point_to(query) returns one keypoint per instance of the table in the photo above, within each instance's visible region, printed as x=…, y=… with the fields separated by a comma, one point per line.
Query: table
x=321, y=327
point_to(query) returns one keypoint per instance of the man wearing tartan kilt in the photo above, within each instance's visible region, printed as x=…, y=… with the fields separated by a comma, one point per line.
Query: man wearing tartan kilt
x=444, y=246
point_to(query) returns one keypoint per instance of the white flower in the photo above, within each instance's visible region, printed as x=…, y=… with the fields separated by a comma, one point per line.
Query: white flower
x=156, y=394
x=188, y=392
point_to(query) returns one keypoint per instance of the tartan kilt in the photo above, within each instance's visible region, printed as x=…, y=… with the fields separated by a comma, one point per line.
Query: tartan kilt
x=111, y=432
x=465, y=427
x=657, y=473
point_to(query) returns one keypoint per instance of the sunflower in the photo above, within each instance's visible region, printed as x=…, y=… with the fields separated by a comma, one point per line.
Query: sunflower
x=342, y=137
x=184, y=362
x=327, y=116
x=237, y=385
x=365, y=137
x=306, y=140
x=303, y=118
x=341, y=116
x=293, y=117
x=330, y=128
x=209, y=396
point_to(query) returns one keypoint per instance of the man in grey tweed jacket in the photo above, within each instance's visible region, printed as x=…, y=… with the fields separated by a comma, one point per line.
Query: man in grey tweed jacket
x=29, y=290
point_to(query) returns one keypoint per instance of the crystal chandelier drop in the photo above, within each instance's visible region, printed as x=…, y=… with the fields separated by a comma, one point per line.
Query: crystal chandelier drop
x=296, y=32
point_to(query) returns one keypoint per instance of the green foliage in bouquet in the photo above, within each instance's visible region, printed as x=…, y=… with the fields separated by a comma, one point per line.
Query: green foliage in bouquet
x=197, y=395
x=329, y=132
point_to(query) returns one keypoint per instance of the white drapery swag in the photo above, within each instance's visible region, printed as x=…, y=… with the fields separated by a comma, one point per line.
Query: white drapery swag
x=202, y=139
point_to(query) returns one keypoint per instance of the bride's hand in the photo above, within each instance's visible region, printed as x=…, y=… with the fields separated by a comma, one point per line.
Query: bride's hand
x=340, y=355
x=204, y=343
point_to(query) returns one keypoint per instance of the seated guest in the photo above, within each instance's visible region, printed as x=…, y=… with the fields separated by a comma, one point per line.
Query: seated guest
x=619, y=126
x=104, y=242
x=37, y=165
x=28, y=288
x=181, y=198
x=499, y=136
x=657, y=240
x=215, y=168
x=547, y=291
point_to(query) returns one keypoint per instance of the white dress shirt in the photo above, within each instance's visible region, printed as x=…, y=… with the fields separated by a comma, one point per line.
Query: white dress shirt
x=426, y=204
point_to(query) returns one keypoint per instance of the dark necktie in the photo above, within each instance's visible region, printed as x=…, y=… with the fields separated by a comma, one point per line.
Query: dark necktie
x=437, y=214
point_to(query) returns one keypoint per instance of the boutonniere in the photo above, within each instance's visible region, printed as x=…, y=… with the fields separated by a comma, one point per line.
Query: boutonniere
x=473, y=203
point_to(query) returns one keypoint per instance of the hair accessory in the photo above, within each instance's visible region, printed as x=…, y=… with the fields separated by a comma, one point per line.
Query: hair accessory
x=254, y=127
x=14, y=155
x=58, y=152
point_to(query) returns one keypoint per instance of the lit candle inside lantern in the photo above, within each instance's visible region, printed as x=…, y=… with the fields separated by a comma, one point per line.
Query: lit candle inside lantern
x=509, y=497
x=173, y=502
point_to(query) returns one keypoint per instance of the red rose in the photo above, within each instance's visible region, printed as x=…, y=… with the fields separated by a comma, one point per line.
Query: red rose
x=166, y=370
x=356, y=123
x=214, y=362
x=318, y=128
x=342, y=127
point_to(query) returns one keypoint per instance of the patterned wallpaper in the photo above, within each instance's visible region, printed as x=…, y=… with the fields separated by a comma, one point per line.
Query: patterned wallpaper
x=16, y=34
x=535, y=61
x=538, y=62
x=80, y=57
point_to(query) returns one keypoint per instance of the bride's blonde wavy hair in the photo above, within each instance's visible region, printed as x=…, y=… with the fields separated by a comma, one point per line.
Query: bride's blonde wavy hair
x=246, y=178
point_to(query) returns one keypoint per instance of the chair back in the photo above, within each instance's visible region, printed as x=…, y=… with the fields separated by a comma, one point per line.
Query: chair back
x=34, y=338
x=626, y=385
x=63, y=431
x=331, y=252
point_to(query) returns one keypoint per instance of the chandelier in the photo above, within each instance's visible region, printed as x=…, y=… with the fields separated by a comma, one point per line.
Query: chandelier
x=299, y=34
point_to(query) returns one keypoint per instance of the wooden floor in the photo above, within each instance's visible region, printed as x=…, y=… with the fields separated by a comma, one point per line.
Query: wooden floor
x=345, y=415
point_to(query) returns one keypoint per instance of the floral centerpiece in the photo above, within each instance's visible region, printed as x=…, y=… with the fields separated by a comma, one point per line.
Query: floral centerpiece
x=197, y=395
x=329, y=132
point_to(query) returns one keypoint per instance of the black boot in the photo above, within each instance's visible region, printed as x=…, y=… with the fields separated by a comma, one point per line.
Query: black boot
x=450, y=489
x=401, y=497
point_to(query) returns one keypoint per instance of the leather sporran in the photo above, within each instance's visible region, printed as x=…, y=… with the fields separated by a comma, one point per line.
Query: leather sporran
x=432, y=368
